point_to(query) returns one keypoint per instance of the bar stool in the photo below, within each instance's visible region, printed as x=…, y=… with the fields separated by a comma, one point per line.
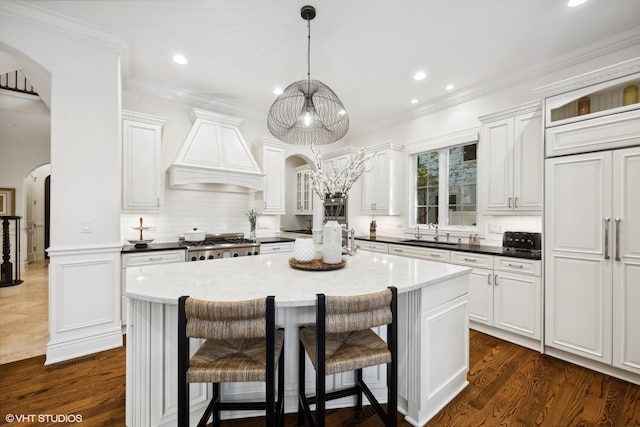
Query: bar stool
x=242, y=344
x=340, y=341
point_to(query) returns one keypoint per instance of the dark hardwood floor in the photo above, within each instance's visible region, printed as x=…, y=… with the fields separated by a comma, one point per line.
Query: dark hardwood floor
x=509, y=386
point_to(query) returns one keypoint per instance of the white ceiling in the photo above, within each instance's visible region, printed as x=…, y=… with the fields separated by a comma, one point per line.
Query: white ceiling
x=366, y=50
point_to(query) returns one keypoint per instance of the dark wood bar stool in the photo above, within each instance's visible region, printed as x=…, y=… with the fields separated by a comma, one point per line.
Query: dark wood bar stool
x=341, y=341
x=242, y=344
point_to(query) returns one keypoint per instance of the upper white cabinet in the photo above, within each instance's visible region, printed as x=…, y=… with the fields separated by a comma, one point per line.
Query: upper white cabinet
x=382, y=181
x=141, y=157
x=512, y=159
x=271, y=156
x=304, y=191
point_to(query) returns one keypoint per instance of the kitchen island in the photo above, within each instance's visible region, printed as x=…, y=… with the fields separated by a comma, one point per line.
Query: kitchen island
x=433, y=337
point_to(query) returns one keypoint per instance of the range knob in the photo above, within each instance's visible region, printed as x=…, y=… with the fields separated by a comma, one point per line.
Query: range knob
x=256, y=253
x=194, y=258
x=210, y=257
x=235, y=254
x=249, y=253
x=202, y=258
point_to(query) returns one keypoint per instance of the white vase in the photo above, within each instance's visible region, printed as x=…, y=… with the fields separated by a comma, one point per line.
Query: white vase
x=332, y=243
x=304, y=249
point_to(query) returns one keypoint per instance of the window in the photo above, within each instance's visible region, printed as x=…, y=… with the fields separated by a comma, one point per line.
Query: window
x=445, y=186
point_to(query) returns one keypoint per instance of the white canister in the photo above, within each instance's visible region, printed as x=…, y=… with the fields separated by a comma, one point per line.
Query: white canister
x=304, y=249
x=332, y=243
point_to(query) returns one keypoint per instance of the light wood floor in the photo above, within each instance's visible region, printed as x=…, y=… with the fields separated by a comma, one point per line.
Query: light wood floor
x=24, y=318
x=508, y=386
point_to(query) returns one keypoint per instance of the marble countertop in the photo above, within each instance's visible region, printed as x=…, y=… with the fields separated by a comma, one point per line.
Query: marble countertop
x=462, y=247
x=233, y=279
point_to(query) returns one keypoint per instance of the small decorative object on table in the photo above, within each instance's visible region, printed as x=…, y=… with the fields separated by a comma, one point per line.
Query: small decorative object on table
x=141, y=243
x=316, y=265
x=252, y=214
x=304, y=249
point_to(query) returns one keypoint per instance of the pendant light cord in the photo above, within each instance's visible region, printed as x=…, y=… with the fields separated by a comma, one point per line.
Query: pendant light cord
x=308, y=54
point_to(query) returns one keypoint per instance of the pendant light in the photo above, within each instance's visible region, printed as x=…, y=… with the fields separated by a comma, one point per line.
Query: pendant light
x=308, y=112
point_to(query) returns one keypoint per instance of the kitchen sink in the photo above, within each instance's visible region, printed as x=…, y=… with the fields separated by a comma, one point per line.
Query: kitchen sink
x=429, y=243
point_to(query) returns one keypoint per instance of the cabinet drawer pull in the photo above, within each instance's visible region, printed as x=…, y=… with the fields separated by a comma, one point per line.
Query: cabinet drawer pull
x=470, y=259
x=488, y=279
x=434, y=255
x=509, y=205
x=516, y=265
x=495, y=280
x=155, y=258
x=515, y=202
x=397, y=250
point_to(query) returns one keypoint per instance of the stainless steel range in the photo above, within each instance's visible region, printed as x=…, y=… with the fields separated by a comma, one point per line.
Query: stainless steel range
x=227, y=245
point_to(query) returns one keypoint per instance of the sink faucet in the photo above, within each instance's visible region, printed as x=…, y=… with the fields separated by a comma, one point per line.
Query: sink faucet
x=417, y=234
x=436, y=237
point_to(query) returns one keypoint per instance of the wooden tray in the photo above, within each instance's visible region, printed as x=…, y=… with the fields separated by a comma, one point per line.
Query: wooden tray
x=316, y=265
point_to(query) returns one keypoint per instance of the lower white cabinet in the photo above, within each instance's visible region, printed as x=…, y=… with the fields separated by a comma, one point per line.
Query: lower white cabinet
x=505, y=296
x=518, y=296
x=145, y=258
x=367, y=245
x=271, y=248
x=421, y=253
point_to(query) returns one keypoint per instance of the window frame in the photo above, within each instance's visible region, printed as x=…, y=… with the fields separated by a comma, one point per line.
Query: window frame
x=442, y=144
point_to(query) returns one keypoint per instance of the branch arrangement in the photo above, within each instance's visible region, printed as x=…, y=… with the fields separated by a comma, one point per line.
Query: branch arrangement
x=335, y=181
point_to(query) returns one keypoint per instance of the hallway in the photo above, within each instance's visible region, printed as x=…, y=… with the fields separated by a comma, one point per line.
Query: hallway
x=24, y=322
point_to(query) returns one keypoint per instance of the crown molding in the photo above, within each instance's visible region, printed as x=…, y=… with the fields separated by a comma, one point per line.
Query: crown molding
x=51, y=22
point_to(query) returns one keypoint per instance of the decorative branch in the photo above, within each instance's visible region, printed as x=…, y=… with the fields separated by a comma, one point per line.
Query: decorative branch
x=338, y=181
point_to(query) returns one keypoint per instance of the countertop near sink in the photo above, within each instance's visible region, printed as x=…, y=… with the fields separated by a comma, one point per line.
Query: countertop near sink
x=153, y=247
x=489, y=250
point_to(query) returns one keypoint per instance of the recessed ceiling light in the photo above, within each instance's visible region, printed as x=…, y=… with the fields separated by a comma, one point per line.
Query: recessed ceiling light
x=414, y=101
x=574, y=3
x=277, y=91
x=420, y=75
x=449, y=87
x=179, y=59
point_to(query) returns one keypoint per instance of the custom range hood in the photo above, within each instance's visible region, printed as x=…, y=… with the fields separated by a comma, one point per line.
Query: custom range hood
x=215, y=157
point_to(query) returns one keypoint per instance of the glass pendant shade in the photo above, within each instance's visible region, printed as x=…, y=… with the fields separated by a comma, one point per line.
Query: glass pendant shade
x=308, y=112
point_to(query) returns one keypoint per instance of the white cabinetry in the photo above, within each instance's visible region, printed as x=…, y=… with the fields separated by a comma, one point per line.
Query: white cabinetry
x=517, y=296
x=145, y=258
x=271, y=156
x=593, y=256
x=480, y=285
x=304, y=191
x=592, y=223
x=367, y=245
x=505, y=296
x=382, y=181
x=141, y=157
x=271, y=248
x=512, y=157
x=421, y=253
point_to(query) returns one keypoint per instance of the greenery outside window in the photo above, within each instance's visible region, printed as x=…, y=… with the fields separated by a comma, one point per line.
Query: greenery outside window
x=446, y=187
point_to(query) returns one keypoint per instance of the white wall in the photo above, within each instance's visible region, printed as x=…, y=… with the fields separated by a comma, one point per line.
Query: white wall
x=83, y=66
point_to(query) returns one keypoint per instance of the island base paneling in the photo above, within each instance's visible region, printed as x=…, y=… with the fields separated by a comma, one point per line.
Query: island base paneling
x=433, y=357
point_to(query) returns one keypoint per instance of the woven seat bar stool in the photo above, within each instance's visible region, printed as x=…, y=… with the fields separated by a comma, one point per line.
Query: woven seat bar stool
x=241, y=344
x=341, y=341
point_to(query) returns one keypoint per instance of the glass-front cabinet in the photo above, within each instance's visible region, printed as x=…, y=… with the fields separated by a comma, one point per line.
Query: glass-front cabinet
x=304, y=192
